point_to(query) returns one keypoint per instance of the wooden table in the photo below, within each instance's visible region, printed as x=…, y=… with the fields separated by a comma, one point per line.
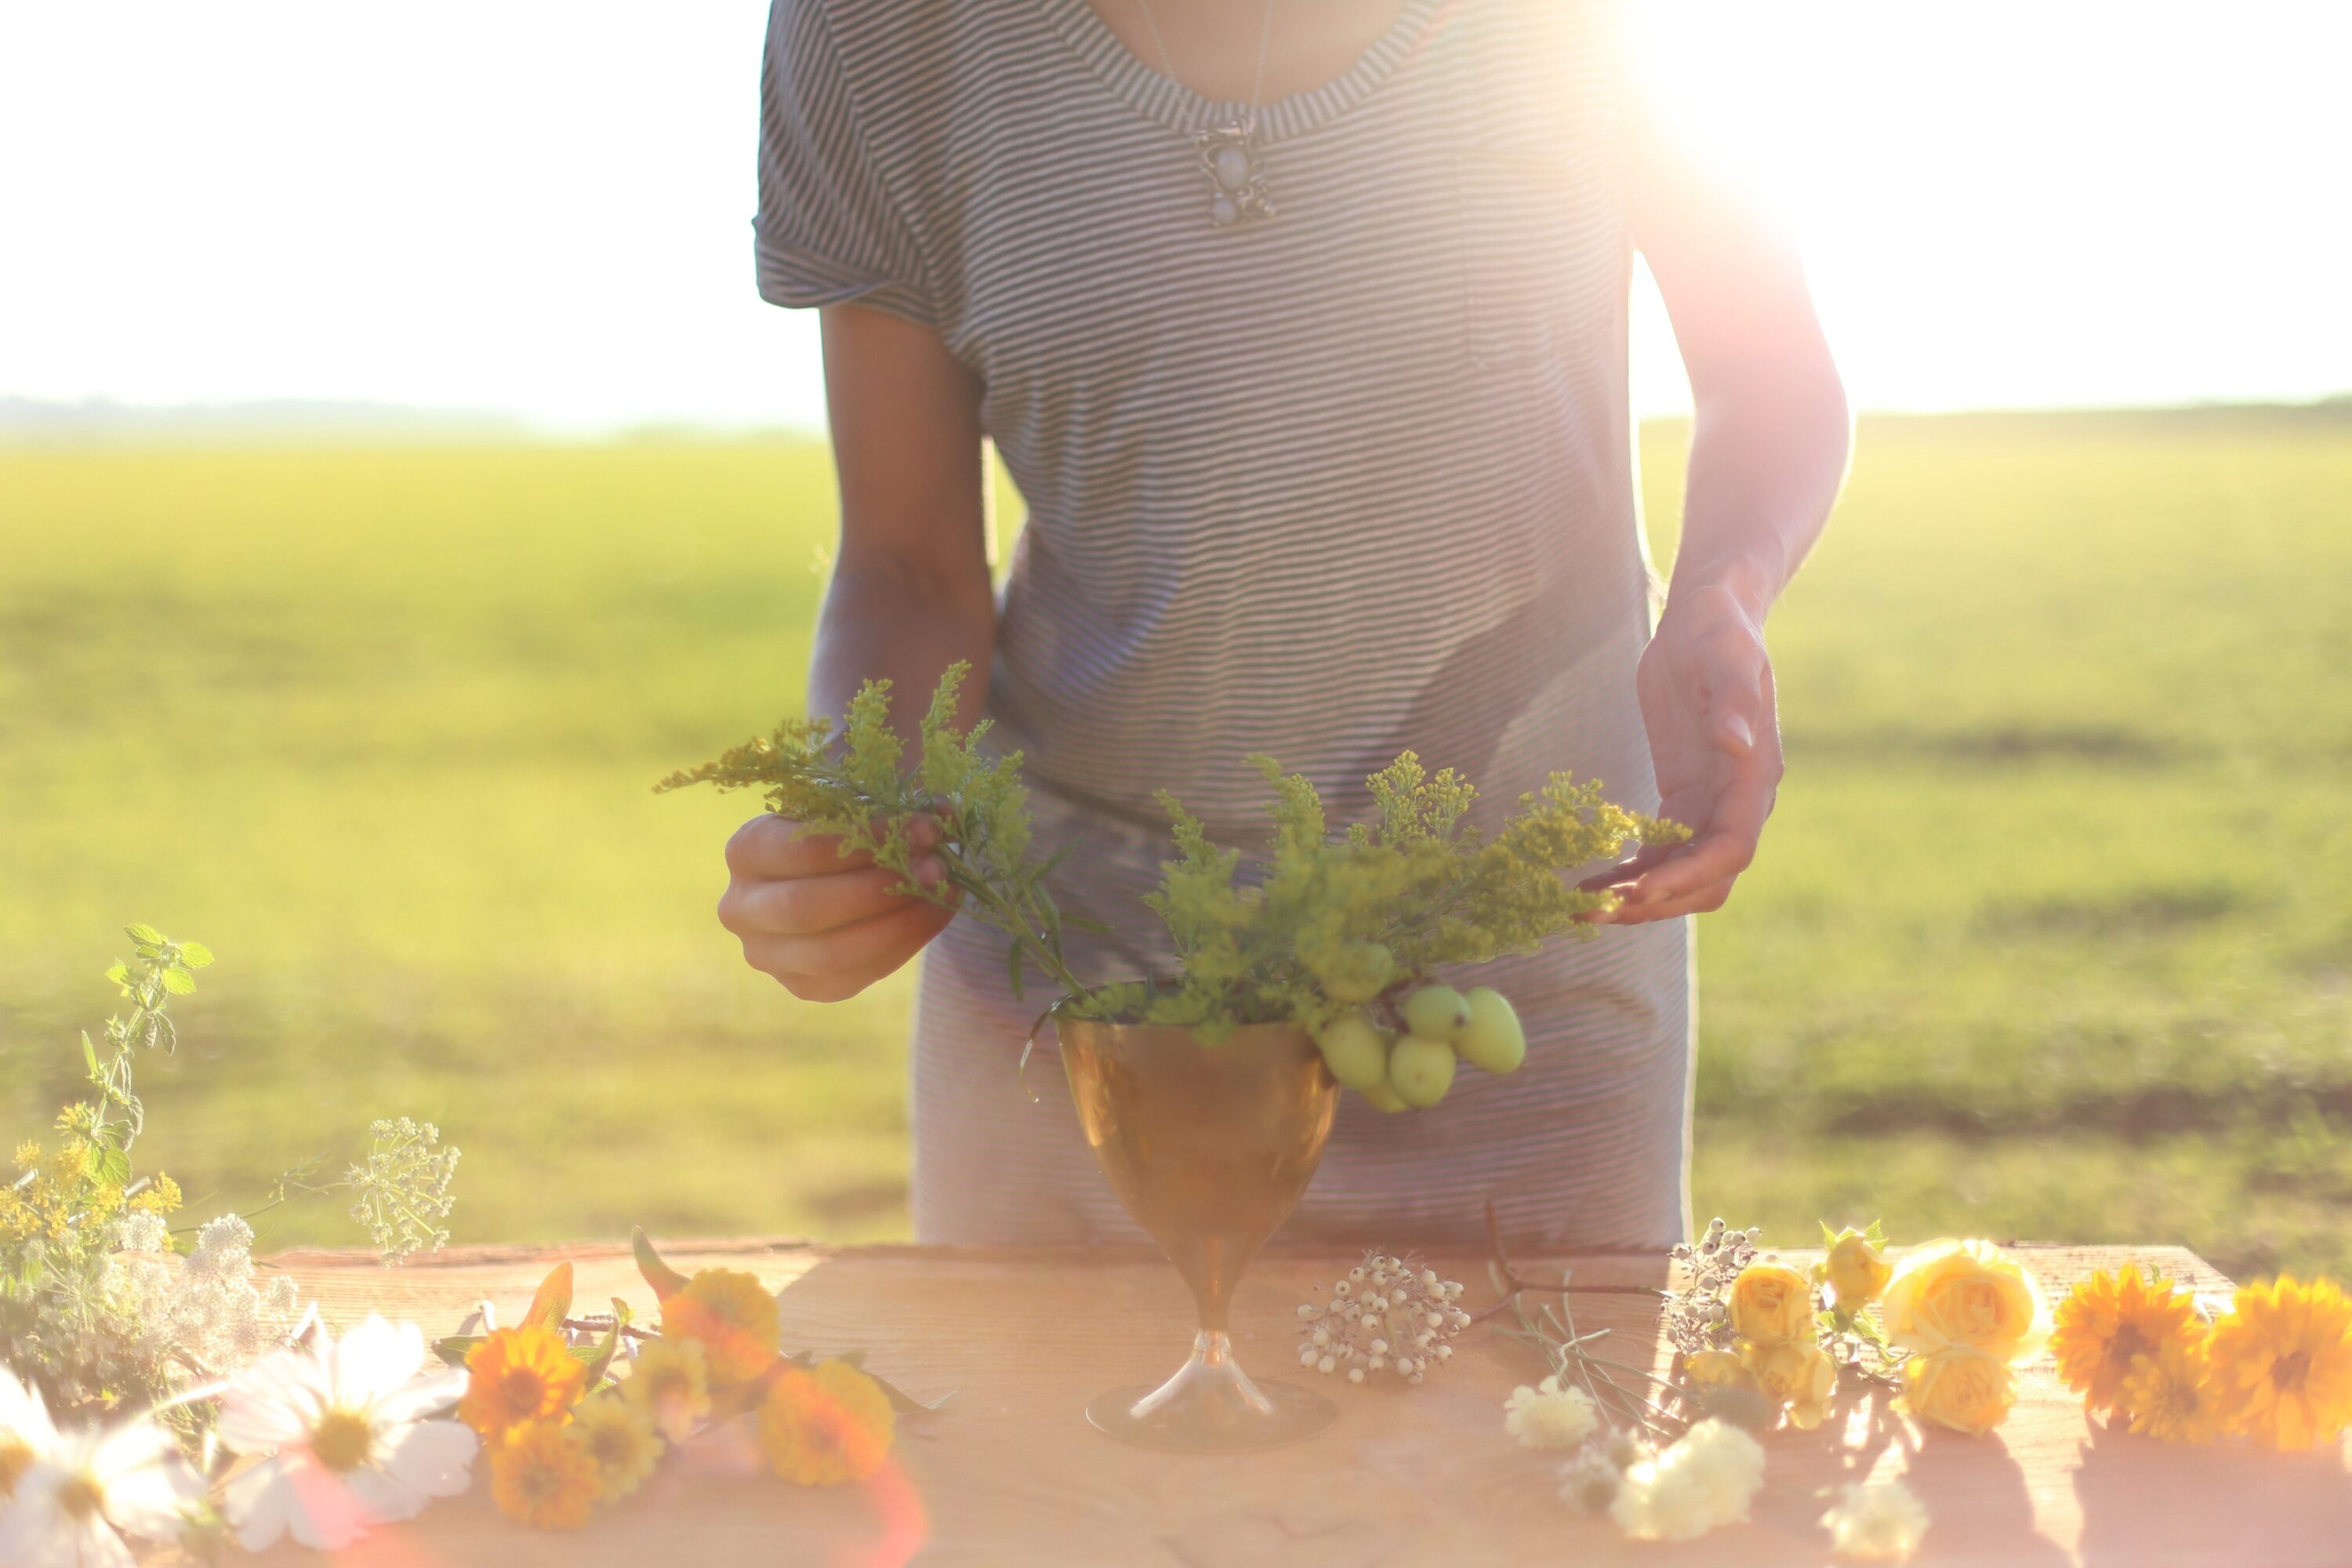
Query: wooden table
x=1419, y=1478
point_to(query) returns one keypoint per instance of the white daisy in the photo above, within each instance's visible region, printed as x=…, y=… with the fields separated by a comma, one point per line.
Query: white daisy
x=26, y=1437
x=73, y=1504
x=342, y=1423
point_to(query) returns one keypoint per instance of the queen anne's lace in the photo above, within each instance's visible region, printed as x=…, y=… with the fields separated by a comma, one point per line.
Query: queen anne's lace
x=204, y=1319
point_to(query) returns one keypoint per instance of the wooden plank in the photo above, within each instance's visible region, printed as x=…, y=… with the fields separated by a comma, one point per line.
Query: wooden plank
x=1009, y=1473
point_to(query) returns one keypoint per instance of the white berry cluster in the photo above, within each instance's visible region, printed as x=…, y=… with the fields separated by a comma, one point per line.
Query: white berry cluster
x=1389, y=1314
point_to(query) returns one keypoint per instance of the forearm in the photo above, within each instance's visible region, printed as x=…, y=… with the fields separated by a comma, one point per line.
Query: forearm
x=1769, y=452
x=888, y=618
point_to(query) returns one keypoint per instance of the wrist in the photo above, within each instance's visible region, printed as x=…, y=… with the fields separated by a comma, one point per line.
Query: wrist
x=1750, y=581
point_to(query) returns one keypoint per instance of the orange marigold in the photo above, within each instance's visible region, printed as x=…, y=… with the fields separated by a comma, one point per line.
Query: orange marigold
x=516, y=1377
x=734, y=1318
x=822, y=1428
x=2282, y=1363
x=542, y=1479
x=2108, y=1321
x=2169, y=1393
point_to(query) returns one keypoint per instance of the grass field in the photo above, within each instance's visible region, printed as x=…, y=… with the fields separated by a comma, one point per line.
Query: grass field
x=2053, y=935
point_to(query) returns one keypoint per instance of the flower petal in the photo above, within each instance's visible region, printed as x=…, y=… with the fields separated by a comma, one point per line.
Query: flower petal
x=420, y=1397
x=434, y=1456
x=257, y=1500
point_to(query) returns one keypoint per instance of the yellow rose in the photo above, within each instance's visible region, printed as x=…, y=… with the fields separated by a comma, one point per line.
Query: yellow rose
x=1795, y=1374
x=1854, y=1269
x=1967, y=1293
x=1966, y=1389
x=1716, y=1369
x=1771, y=1302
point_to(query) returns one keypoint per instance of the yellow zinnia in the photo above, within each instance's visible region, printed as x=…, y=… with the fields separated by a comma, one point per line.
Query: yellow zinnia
x=730, y=1314
x=822, y=1428
x=542, y=1478
x=519, y=1376
x=1968, y=1293
x=2108, y=1321
x=621, y=1441
x=2168, y=1394
x=2281, y=1363
x=671, y=1385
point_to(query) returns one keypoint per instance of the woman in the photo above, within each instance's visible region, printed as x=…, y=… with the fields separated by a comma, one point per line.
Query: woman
x=1301, y=326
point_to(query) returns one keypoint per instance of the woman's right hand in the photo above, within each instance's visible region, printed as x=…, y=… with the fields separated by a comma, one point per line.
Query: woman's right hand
x=826, y=925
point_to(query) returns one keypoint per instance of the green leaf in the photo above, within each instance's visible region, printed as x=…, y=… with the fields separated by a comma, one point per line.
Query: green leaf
x=146, y=935
x=119, y=974
x=179, y=982
x=906, y=1404
x=1013, y=969
x=1828, y=1237
x=455, y=1348
x=196, y=955
x=90, y=1055
x=551, y=1302
x=111, y=1168
x=667, y=1281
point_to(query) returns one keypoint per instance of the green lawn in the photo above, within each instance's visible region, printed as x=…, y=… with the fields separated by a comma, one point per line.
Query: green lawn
x=2053, y=935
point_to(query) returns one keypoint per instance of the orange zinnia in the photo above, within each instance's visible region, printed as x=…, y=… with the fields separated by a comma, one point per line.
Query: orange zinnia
x=543, y=1479
x=820, y=1428
x=2108, y=1321
x=2281, y=1363
x=518, y=1376
x=730, y=1314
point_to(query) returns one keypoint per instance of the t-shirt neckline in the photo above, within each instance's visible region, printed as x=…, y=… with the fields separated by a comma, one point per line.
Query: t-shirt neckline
x=1163, y=99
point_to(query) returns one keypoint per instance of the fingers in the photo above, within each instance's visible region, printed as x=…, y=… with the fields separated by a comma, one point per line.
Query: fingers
x=805, y=906
x=770, y=846
x=1736, y=678
x=834, y=965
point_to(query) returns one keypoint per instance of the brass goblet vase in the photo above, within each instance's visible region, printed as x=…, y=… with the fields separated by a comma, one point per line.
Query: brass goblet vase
x=1210, y=1148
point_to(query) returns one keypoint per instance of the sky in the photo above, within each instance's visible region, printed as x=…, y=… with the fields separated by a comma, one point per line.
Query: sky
x=543, y=209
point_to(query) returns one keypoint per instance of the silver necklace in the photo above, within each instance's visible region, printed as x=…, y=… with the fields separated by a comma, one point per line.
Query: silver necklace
x=1228, y=155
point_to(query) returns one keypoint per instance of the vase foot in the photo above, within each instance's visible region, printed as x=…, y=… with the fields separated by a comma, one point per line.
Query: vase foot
x=1211, y=1406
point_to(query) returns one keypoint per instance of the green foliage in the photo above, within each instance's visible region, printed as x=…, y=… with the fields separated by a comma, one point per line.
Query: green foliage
x=855, y=789
x=1331, y=923
x=1381, y=907
x=90, y=1333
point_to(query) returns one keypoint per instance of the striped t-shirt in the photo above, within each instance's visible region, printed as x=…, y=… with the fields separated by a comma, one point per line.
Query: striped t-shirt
x=1353, y=479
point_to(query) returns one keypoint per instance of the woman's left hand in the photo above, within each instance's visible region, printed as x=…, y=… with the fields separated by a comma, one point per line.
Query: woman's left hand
x=1705, y=688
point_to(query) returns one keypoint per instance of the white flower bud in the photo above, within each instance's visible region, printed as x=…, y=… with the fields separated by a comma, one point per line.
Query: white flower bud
x=1355, y=1374
x=1342, y=1288
x=1379, y=1347
x=1429, y=1278
x=1413, y=1377
x=1375, y=1364
x=1307, y=1355
x=1444, y=1353
x=1325, y=1364
x=1322, y=1336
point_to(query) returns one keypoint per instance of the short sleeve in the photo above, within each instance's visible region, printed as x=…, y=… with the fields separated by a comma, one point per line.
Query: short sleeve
x=828, y=230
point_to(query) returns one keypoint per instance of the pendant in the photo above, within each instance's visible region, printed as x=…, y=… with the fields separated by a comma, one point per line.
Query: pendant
x=1236, y=176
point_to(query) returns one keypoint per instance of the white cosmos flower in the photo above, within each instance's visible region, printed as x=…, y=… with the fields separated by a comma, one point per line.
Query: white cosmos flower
x=343, y=1425
x=85, y=1489
x=26, y=1437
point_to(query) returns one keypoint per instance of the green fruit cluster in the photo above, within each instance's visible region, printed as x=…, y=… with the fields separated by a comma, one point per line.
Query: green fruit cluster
x=1411, y=1068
